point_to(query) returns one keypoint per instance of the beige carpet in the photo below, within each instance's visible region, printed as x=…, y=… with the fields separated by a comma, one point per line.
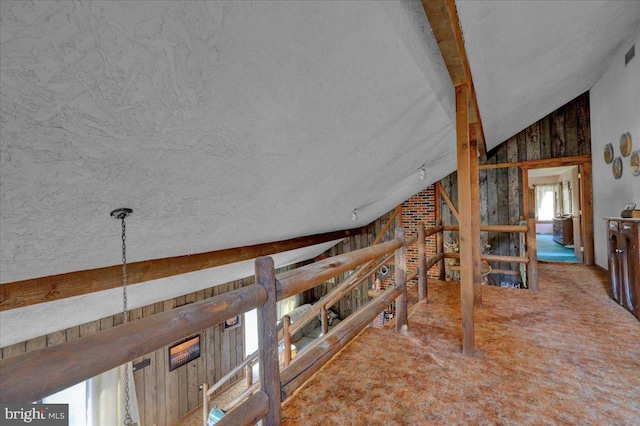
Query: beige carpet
x=565, y=355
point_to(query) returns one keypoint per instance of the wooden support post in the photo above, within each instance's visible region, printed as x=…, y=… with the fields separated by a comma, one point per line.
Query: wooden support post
x=422, y=264
x=401, y=282
x=323, y=319
x=586, y=218
x=440, y=251
x=466, y=155
x=474, y=174
x=268, y=340
x=287, y=340
x=532, y=252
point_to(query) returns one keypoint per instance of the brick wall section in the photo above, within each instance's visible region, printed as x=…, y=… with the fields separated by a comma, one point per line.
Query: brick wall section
x=420, y=207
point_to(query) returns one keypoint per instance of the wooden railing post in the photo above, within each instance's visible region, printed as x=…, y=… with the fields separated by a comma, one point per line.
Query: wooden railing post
x=268, y=340
x=532, y=252
x=440, y=250
x=249, y=374
x=287, y=340
x=422, y=264
x=205, y=402
x=323, y=319
x=401, y=282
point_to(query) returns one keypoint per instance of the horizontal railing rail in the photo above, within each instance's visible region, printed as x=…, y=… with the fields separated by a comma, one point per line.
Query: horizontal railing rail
x=22, y=378
x=527, y=254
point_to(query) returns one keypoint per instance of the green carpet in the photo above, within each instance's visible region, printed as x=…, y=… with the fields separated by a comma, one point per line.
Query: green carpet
x=551, y=251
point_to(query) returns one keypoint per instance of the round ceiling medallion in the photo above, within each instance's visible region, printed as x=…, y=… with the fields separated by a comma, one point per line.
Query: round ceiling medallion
x=617, y=167
x=608, y=153
x=625, y=144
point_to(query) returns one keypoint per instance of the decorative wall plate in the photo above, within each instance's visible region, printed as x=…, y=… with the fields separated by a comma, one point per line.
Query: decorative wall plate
x=608, y=153
x=625, y=144
x=617, y=167
x=635, y=163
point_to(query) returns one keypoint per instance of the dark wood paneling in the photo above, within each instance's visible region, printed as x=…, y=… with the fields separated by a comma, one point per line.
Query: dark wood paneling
x=563, y=133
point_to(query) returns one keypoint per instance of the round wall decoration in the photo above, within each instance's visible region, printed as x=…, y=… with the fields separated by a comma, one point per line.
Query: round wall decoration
x=608, y=153
x=635, y=163
x=617, y=167
x=625, y=144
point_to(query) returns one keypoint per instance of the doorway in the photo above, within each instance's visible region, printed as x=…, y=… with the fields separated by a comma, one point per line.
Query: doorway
x=555, y=200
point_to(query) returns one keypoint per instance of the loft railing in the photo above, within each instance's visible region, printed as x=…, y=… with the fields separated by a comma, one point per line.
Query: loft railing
x=40, y=373
x=527, y=255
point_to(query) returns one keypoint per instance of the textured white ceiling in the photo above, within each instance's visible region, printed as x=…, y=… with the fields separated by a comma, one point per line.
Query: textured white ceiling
x=529, y=58
x=225, y=124
x=221, y=124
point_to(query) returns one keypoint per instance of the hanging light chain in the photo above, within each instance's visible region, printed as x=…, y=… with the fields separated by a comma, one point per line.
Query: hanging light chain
x=122, y=215
x=124, y=271
x=125, y=318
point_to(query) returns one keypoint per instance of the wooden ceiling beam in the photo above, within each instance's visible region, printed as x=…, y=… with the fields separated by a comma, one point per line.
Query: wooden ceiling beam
x=19, y=294
x=443, y=18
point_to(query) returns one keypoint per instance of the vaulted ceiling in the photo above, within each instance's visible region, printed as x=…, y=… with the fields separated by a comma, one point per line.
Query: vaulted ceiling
x=225, y=124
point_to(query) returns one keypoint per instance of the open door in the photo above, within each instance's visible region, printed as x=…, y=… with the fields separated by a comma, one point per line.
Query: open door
x=555, y=198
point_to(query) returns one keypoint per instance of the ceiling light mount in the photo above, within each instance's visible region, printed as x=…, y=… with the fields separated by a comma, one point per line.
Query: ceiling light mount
x=121, y=213
x=354, y=214
x=422, y=172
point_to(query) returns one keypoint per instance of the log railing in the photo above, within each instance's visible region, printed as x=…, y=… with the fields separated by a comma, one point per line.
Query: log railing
x=357, y=277
x=40, y=373
x=207, y=391
x=527, y=255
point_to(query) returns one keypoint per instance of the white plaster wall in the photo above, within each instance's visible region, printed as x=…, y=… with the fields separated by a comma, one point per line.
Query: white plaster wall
x=615, y=109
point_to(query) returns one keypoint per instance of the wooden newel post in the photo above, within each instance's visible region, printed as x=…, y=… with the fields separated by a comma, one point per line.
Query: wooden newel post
x=422, y=264
x=532, y=251
x=268, y=340
x=440, y=250
x=287, y=340
x=401, y=281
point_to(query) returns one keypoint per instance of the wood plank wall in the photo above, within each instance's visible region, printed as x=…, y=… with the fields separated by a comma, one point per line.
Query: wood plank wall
x=164, y=396
x=565, y=132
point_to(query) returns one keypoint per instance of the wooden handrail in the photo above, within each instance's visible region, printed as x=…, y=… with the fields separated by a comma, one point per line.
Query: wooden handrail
x=492, y=258
x=231, y=373
x=307, y=363
x=433, y=230
x=336, y=294
x=21, y=377
x=243, y=395
x=353, y=281
x=433, y=260
x=492, y=228
x=253, y=409
x=301, y=279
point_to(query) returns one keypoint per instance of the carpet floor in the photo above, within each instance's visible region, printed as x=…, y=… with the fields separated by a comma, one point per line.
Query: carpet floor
x=567, y=354
x=549, y=250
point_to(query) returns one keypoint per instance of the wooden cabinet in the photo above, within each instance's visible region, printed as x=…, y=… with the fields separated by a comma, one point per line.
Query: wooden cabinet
x=624, y=261
x=563, y=230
